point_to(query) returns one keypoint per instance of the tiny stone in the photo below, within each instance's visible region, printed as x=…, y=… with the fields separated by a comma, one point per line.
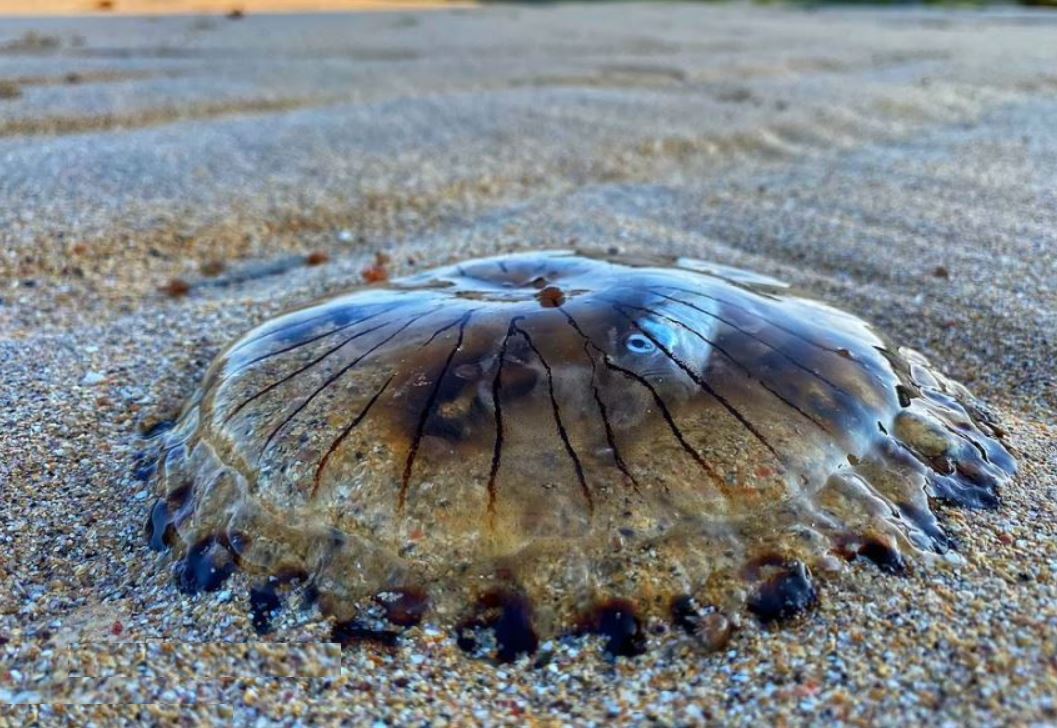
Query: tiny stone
x=92, y=378
x=954, y=558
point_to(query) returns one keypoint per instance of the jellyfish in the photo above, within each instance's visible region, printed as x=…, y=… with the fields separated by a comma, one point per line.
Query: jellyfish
x=546, y=442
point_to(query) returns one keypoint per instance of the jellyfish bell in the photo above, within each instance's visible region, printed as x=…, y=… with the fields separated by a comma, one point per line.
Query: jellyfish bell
x=523, y=439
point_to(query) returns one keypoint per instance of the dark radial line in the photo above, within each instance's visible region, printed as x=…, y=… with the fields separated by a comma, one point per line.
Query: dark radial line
x=610, y=436
x=690, y=449
x=309, y=365
x=562, y=433
x=345, y=433
x=333, y=378
x=409, y=465
x=665, y=413
x=294, y=324
x=745, y=370
x=280, y=329
x=602, y=409
x=700, y=381
x=791, y=359
x=749, y=311
x=497, y=449
x=442, y=329
x=300, y=370
x=309, y=340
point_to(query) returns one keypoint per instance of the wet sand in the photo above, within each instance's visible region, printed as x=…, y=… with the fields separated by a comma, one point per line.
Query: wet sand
x=899, y=164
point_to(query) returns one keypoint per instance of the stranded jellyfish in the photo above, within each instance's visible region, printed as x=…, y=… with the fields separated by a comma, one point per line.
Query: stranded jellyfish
x=531, y=444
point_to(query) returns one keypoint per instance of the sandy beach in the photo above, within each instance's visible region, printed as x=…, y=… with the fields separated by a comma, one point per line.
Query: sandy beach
x=167, y=183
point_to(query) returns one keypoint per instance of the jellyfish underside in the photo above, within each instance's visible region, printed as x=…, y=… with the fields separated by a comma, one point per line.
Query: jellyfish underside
x=544, y=442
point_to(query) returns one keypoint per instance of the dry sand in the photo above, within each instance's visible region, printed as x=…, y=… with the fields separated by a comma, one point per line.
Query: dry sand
x=901, y=164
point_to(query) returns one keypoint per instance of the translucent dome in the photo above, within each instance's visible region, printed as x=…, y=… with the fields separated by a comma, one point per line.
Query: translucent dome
x=544, y=433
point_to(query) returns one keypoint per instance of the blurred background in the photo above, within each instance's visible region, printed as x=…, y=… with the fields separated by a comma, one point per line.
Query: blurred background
x=138, y=7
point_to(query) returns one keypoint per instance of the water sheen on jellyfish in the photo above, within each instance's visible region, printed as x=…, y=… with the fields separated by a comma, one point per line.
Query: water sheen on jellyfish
x=548, y=442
